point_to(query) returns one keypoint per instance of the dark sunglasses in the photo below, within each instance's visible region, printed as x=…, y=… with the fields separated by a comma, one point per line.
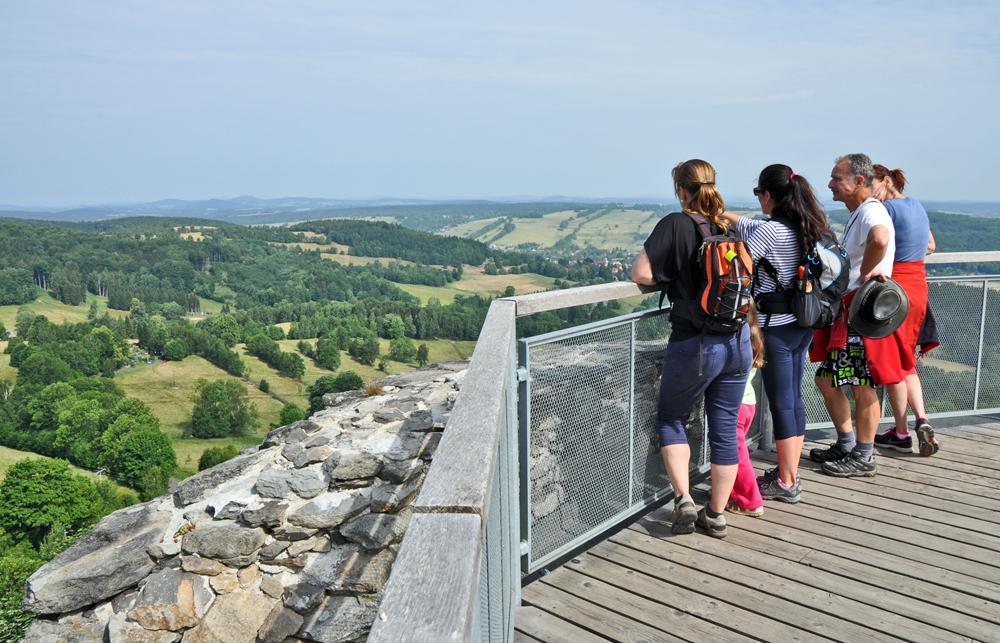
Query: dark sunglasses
x=758, y=191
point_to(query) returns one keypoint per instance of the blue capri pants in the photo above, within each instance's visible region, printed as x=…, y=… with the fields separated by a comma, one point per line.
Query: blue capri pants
x=723, y=378
x=784, y=354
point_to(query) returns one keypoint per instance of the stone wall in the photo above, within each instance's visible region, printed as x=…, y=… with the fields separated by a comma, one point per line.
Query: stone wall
x=292, y=540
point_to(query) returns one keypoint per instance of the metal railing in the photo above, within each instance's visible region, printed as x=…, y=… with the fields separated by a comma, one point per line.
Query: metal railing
x=585, y=409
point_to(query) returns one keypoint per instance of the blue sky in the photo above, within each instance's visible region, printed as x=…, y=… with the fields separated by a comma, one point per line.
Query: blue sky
x=128, y=101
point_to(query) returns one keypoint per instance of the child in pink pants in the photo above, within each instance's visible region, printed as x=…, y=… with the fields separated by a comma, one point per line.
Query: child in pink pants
x=745, y=498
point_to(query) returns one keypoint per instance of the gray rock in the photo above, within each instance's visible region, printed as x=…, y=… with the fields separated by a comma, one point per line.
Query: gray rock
x=407, y=446
x=377, y=530
x=336, y=399
x=271, y=514
x=302, y=597
x=42, y=631
x=350, y=570
x=331, y=509
x=279, y=625
x=231, y=511
x=351, y=464
x=271, y=586
x=224, y=541
x=292, y=533
x=109, y=558
x=172, y=600
x=193, y=489
x=421, y=420
x=389, y=414
x=272, y=483
x=274, y=549
x=392, y=498
x=312, y=455
x=293, y=450
x=318, y=441
x=431, y=446
x=124, y=601
x=234, y=617
x=121, y=630
x=402, y=470
x=306, y=484
x=203, y=566
x=303, y=546
x=279, y=435
x=341, y=618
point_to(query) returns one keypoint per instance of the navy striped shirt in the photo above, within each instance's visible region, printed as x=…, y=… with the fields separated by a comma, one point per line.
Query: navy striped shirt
x=780, y=245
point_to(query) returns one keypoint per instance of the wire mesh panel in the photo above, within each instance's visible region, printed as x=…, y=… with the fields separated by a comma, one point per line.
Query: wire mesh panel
x=969, y=334
x=948, y=373
x=649, y=477
x=579, y=435
x=592, y=452
x=989, y=375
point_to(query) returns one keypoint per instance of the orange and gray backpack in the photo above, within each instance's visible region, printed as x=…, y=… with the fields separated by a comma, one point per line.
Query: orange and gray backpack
x=721, y=301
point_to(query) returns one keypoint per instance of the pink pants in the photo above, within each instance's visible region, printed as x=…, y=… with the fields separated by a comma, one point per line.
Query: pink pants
x=745, y=492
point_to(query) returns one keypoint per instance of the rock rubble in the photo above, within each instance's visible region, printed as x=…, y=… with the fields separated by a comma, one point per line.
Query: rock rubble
x=291, y=540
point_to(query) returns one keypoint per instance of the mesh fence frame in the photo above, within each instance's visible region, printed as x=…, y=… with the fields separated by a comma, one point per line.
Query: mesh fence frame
x=593, y=456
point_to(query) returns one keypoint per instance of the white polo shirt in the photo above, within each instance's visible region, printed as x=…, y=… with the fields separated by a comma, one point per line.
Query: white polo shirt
x=860, y=222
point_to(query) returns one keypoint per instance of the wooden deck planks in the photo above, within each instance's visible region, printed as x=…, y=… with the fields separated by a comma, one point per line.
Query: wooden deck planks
x=913, y=554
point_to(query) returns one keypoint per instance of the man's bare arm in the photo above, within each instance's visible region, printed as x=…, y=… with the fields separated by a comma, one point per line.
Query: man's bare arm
x=875, y=247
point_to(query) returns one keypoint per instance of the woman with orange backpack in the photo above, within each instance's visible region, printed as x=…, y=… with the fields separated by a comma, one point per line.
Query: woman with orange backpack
x=708, y=354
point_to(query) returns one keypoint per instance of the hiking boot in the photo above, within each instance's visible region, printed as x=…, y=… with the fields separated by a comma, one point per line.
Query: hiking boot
x=714, y=527
x=773, y=489
x=685, y=513
x=927, y=445
x=833, y=452
x=890, y=440
x=732, y=507
x=850, y=466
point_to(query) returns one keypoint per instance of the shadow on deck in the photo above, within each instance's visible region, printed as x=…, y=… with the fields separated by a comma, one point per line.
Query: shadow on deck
x=912, y=554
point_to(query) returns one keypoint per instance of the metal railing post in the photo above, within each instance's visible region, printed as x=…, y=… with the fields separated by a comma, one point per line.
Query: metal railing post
x=631, y=415
x=979, y=356
x=524, y=452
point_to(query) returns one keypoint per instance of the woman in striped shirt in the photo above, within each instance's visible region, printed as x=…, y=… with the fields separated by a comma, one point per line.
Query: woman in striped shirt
x=777, y=245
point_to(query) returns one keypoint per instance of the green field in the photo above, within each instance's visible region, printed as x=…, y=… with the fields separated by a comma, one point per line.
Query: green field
x=168, y=388
x=475, y=282
x=605, y=229
x=58, y=312
x=7, y=372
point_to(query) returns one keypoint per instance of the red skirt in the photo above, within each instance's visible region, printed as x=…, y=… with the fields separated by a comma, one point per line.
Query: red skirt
x=890, y=358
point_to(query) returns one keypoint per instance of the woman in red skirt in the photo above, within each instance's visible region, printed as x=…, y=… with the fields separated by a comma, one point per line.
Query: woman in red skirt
x=913, y=242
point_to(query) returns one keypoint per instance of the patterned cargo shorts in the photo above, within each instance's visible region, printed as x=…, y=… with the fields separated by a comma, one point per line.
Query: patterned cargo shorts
x=848, y=367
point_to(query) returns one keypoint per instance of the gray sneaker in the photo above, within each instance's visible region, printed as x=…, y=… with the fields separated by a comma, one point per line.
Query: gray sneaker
x=772, y=489
x=928, y=444
x=850, y=466
x=714, y=527
x=685, y=513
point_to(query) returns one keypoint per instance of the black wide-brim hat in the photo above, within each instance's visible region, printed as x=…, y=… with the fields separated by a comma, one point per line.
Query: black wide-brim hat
x=879, y=308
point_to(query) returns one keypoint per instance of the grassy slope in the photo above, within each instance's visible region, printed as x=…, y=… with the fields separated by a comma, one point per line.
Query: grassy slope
x=169, y=388
x=58, y=312
x=475, y=281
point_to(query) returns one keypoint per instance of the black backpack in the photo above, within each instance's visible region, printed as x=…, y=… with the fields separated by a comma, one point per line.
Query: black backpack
x=820, y=283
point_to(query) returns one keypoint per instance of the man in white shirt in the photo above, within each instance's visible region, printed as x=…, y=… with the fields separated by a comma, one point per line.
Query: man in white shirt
x=869, y=239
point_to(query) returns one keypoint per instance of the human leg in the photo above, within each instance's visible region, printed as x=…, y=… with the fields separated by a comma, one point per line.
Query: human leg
x=785, y=348
x=860, y=461
x=745, y=495
x=679, y=389
x=723, y=398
